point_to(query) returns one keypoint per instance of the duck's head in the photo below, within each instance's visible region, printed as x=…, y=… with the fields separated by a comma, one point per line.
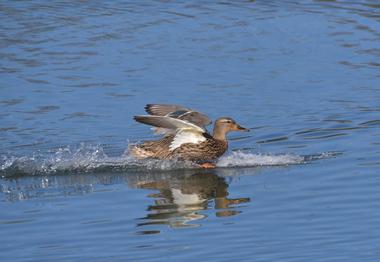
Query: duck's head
x=224, y=125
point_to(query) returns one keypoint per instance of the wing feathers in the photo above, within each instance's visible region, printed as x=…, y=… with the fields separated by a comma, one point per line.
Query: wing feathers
x=163, y=109
x=179, y=112
x=168, y=122
x=186, y=125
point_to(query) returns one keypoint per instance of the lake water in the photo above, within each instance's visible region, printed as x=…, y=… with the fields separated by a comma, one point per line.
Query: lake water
x=303, y=185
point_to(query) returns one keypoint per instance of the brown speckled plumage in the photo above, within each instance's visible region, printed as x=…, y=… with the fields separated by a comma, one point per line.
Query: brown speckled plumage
x=203, y=148
x=206, y=151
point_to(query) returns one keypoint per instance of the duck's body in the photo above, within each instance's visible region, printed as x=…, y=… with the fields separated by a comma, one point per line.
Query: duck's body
x=205, y=151
x=185, y=136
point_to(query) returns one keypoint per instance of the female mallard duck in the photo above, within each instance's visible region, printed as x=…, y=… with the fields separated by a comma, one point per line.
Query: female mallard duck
x=185, y=135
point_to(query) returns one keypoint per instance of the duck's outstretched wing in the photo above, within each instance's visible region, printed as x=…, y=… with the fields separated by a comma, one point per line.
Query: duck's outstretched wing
x=184, y=131
x=179, y=112
x=163, y=109
x=168, y=123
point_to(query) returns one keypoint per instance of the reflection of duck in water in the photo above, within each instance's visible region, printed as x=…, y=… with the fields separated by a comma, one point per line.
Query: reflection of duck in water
x=185, y=136
x=181, y=198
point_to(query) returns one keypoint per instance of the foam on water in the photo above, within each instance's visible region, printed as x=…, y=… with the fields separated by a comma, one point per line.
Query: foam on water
x=87, y=158
x=241, y=159
x=82, y=159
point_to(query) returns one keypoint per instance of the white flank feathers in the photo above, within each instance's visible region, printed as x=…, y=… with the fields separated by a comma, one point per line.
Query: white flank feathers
x=184, y=136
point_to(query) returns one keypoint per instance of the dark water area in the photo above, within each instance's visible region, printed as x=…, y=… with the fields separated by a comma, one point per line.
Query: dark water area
x=302, y=185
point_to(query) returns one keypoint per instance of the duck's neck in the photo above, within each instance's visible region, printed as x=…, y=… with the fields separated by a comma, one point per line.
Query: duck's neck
x=219, y=133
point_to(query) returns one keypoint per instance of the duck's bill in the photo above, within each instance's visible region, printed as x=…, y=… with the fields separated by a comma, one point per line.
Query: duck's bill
x=240, y=128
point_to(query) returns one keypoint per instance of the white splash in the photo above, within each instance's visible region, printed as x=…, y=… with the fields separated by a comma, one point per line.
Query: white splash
x=84, y=158
x=62, y=159
x=88, y=158
x=241, y=159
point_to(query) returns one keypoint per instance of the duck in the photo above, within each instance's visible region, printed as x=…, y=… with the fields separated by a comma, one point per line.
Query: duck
x=185, y=136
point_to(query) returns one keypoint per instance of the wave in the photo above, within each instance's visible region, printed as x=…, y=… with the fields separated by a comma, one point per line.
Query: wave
x=241, y=159
x=89, y=158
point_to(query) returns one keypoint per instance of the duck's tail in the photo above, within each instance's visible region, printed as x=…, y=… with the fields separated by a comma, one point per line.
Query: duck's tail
x=152, y=149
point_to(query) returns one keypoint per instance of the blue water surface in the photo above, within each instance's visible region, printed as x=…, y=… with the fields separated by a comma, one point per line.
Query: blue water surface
x=303, y=185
